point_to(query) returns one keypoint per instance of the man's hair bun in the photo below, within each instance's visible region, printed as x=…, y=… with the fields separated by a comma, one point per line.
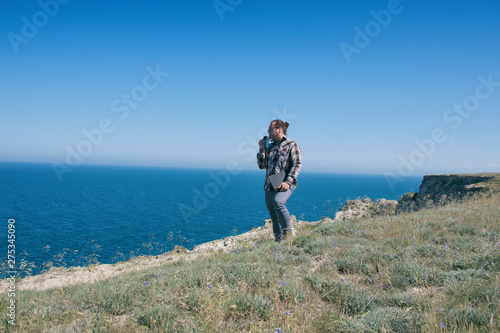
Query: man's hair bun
x=283, y=125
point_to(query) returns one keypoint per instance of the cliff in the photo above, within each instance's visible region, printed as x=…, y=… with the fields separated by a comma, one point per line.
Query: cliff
x=438, y=190
x=366, y=208
x=435, y=190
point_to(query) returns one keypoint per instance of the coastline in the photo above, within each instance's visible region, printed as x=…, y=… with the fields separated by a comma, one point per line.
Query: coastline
x=58, y=277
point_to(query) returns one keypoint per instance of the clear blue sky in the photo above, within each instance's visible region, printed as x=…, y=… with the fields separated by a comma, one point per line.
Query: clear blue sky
x=367, y=86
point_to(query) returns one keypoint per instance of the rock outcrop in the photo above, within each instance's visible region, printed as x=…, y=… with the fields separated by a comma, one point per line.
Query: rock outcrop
x=435, y=190
x=366, y=208
x=438, y=190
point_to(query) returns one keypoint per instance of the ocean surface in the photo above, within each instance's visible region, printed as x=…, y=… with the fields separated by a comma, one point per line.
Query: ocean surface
x=111, y=213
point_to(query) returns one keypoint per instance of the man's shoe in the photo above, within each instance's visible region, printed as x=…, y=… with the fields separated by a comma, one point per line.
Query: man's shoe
x=287, y=236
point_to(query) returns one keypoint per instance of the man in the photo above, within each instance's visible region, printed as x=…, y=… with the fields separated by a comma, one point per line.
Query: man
x=283, y=155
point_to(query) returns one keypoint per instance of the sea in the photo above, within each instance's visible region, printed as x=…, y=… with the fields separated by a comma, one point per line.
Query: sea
x=108, y=214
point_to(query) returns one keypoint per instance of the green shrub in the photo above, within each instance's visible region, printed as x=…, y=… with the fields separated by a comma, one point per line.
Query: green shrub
x=464, y=318
x=391, y=319
x=350, y=265
x=404, y=275
x=254, y=305
x=349, y=300
x=157, y=317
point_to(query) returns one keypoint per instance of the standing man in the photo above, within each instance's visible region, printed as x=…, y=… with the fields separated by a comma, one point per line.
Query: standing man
x=282, y=155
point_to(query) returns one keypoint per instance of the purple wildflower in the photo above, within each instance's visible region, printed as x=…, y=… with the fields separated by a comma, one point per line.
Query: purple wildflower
x=443, y=325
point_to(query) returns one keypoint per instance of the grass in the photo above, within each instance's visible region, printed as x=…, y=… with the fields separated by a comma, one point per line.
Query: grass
x=435, y=270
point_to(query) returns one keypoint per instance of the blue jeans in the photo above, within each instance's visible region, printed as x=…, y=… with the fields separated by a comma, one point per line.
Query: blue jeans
x=275, y=202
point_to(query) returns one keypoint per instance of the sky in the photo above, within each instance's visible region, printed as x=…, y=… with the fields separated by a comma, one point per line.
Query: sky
x=400, y=88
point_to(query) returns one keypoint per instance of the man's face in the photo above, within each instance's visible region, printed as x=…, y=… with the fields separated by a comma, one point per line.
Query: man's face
x=274, y=132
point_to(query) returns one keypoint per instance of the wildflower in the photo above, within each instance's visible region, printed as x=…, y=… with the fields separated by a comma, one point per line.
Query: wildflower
x=456, y=254
x=342, y=279
x=145, y=283
x=209, y=286
x=278, y=330
x=493, y=264
x=235, y=251
x=288, y=312
x=275, y=248
x=443, y=325
x=489, y=291
x=157, y=276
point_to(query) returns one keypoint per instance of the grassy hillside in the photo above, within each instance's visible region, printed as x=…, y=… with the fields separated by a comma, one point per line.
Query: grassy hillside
x=436, y=270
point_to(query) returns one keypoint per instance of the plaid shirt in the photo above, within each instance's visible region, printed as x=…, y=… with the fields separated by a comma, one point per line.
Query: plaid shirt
x=281, y=156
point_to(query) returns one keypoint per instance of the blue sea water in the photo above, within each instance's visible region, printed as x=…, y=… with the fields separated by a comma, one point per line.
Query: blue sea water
x=110, y=213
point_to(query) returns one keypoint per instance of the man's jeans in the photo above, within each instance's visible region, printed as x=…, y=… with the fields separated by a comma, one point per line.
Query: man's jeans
x=275, y=202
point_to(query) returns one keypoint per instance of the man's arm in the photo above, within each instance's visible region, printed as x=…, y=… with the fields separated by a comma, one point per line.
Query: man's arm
x=261, y=156
x=296, y=158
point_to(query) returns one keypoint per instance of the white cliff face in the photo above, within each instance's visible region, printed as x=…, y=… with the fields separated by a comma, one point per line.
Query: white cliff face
x=366, y=208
